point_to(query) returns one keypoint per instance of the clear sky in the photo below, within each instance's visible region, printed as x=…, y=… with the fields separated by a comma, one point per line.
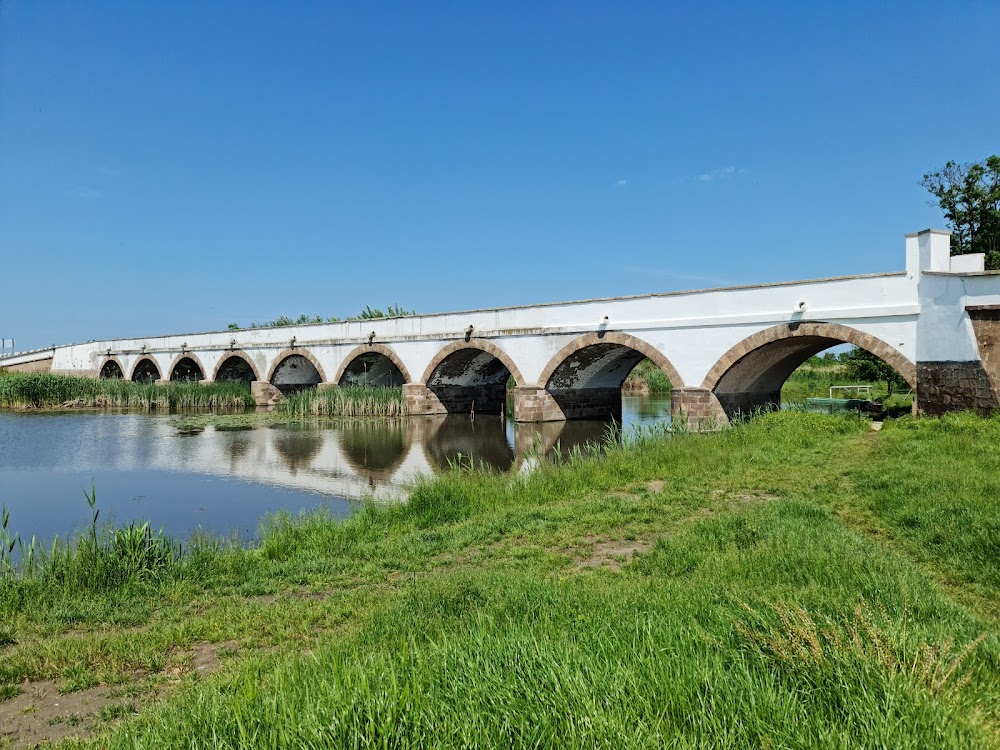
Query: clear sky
x=177, y=166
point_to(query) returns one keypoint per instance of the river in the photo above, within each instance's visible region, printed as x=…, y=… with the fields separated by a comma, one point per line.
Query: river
x=224, y=480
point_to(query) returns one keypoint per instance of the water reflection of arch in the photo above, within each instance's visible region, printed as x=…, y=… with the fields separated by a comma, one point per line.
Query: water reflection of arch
x=374, y=449
x=371, y=354
x=297, y=446
x=145, y=370
x=187, y=366
x=226, y=362
x=483, y=441
x=548, y=438
x=111, y=369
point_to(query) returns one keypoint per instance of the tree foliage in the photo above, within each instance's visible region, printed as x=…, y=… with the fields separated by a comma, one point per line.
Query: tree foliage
x=969, y=197
x=863, y=365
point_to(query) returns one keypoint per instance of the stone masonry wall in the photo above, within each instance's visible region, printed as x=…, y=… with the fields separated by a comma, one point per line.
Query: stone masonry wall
x=954, y=386
x=698, y=407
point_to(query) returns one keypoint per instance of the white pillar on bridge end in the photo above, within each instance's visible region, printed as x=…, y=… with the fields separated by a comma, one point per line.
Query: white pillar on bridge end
x=929, y=250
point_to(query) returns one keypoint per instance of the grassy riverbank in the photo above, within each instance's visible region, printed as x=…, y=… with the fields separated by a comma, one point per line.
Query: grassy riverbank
x=49, y=391
x=797, y=581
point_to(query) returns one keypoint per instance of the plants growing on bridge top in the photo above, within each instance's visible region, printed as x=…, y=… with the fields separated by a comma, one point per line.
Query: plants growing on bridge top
x=369, y=313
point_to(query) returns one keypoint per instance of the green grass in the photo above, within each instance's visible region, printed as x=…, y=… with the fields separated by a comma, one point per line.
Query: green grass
x=48, y=391
x=345, y=401
x=815, y=378
x=801, y=582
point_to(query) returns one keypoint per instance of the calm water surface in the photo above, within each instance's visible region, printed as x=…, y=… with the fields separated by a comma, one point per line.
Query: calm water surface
x=224, y=480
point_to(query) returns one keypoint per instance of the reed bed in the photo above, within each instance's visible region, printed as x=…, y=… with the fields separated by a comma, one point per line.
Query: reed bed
x=345, y=401
x=48, y=391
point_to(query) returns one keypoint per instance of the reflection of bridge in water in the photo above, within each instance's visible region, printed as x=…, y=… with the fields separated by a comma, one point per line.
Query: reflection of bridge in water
x=374, y=459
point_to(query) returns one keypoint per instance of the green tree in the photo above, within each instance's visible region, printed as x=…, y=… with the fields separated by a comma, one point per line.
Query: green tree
x=862, y=365
x=969, y=197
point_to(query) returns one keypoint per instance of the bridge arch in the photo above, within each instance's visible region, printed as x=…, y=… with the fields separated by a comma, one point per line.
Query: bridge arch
x=610, y=358
x=585, y=377
x=186, y=366
x=145, y=370
x=111, y=369
x=236, y=365
x=295, y=369
x=379, y=362
x=471, y=376
x=751, y=373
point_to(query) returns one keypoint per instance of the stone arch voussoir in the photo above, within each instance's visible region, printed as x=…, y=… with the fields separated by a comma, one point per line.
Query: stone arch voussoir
x=368, y=349
x=185, y=355
x=240, y=354
x=480, y=344
x=286, y=353
x=114, y=359
x=612, y=337
x=140, y=360
x=889, y=354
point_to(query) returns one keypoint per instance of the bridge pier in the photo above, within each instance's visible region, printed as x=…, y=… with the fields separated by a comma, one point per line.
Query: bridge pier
x=264, y=393
x=453, y=399
x=698, y=407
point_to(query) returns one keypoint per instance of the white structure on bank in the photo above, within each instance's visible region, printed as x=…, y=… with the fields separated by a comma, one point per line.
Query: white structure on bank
x=724, y=350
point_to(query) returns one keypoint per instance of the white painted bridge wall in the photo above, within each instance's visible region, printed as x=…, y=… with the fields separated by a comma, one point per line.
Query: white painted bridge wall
x=919, y=311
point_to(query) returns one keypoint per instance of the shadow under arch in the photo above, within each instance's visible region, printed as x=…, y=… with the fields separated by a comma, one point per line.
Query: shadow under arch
x=470, y=376
x=186, y=367
x=111, y=369
x=295, y=370
x=236, y=366
x=145, y=370
x=372, y=364
x=750, y=375
x=585, y=377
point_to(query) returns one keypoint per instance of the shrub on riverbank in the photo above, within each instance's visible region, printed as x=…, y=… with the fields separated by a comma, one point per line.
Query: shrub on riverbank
x=794, y=581
x=345, y=401
x=50, y=391
x=646, y=377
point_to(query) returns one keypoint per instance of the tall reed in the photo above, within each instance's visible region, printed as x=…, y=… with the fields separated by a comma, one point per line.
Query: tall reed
x=102, y=558
x=46, y=390
x=346, y=401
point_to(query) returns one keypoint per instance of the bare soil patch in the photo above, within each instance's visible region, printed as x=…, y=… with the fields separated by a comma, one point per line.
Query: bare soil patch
x=604, y=553
x=41, y=714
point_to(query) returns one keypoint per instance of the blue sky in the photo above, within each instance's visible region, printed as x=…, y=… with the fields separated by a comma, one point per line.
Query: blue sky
x=177, y=166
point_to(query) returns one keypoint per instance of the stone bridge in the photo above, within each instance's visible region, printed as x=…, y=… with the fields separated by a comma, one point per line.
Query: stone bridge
x=723, y=350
